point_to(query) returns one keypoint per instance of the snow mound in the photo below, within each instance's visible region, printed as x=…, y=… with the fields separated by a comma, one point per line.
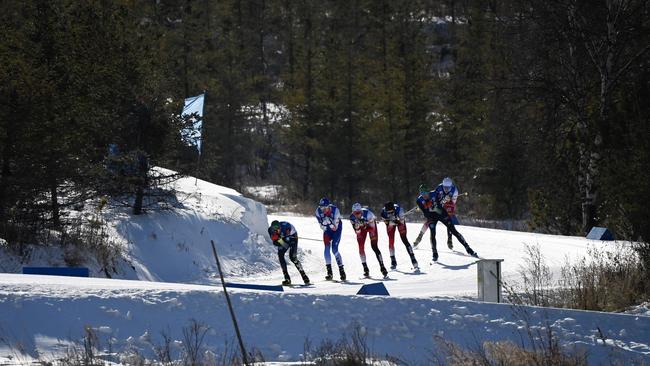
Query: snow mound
x=173, y=244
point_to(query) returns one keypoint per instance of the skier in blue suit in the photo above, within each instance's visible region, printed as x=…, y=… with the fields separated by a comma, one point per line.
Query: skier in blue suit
x=447, y=194
x=329, y=218
x=285, y=237
x=433, y=211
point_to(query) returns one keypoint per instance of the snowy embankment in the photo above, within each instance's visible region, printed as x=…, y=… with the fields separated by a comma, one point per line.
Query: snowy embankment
x=40, y=315
x=173, y=244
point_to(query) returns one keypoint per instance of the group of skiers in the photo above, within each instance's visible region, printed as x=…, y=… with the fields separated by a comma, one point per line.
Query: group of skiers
x=438, y=205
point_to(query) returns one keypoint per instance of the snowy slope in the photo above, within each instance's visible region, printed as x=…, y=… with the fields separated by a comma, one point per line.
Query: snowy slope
x=174, y=245
x=174, y=282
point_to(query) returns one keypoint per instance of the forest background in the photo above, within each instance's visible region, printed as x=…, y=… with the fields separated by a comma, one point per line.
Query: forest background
x=537, y=109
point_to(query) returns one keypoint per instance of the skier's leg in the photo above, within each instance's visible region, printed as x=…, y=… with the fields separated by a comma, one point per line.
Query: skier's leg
x=375, y=248
x=328, y=258
x=293, y=256
x=432, y=230
x=423, y=230
x=336, y=238
x=361, y=242
x=405, y=241
x=390, y=229
x=458, y=236
x=374, y=238
x=283, y=264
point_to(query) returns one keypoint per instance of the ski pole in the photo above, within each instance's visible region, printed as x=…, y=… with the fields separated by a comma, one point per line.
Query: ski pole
x=411, y=210
x=300, y=237
x=232, y=312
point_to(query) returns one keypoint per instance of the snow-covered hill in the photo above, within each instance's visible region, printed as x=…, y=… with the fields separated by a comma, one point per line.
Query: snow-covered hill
x=173, y=284
x=173, y=245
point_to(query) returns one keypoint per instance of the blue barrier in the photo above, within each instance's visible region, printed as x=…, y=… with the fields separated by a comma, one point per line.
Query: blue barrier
x=600, y=233
x=58, y=271
x=373, y=289
x=255, y=287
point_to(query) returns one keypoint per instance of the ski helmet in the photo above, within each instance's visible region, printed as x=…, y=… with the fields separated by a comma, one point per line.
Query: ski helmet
x=447, y=182
x=323, y=202
x=424, y=189
x=275, y=225
x=389, y=207
x=356, y=207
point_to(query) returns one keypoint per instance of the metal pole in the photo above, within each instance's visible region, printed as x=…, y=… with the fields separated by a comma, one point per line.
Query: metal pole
x=232, y=313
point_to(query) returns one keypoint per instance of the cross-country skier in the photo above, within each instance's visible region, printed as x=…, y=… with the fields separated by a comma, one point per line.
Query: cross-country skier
x=363, y=221
x=329, y=218
x=394, y=217
x=433, y=212
x=447, y=193
x=285, y=237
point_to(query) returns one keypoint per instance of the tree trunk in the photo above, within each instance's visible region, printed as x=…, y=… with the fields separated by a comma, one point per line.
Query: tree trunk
x=310, y=113
x=54, y=204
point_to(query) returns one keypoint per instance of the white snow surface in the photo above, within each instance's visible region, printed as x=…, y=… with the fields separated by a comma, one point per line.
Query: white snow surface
x=175, y=282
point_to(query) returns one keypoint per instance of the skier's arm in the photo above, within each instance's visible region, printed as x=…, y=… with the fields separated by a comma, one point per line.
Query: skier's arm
x=336, y=219
x=425, y=211
x=370, y=219
x=420, y=203
x=323, y=220
x=289, y=235
x=275, y=237
x=399, y=215
x=354, y=222
x=450, y=205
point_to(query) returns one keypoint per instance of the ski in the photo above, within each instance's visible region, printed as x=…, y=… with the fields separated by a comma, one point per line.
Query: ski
x=465, y=254
x=299, y=285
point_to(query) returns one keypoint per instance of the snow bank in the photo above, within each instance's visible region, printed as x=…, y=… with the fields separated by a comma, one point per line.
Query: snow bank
x=173, y=245
x=44, y=314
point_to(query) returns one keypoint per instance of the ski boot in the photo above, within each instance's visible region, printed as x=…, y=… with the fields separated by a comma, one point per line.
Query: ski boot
x=435, y=256
x=471, y=252
x=449, y=243
x=329, y=276
x=287, y=279
x=366, y=271
x=342, y=273
x=383, y=270
x=304, y=277
x=416, y=267
x=393, y=262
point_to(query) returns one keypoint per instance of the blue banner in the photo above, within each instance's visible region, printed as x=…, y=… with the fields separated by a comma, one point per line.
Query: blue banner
x=193, y=110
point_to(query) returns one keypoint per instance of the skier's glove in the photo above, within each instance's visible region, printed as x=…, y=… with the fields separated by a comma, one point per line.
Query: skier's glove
x=283, y=243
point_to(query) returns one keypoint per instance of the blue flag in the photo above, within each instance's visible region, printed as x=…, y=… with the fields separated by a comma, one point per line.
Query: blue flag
x=194, y=109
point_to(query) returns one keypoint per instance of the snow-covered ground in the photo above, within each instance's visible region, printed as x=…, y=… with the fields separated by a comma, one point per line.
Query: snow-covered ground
x=174, y=282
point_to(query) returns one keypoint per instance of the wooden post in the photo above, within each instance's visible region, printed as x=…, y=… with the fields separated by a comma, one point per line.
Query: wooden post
x=232, y=313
